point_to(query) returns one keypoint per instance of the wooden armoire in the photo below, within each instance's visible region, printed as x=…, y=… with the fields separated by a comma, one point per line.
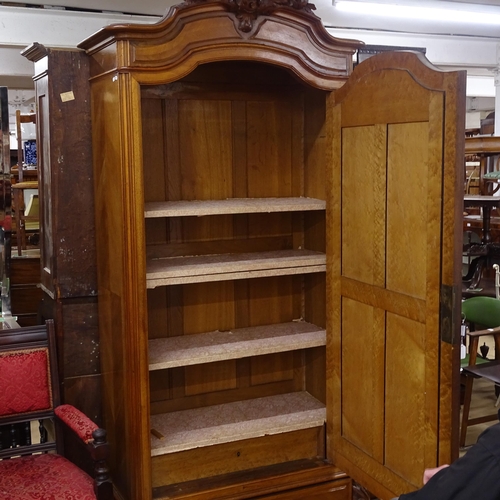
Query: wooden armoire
x=277, y=253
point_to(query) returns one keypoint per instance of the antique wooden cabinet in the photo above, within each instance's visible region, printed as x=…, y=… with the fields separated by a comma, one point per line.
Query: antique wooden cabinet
x=68, y=259
x=276, y=251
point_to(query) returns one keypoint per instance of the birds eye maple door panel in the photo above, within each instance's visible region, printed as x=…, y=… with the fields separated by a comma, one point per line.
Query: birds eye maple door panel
x=396, y=130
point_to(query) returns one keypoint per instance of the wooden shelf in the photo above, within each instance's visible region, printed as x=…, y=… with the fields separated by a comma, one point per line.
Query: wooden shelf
x=189, y=429
x=197, y=269
x=233, y=344
x=231, y=206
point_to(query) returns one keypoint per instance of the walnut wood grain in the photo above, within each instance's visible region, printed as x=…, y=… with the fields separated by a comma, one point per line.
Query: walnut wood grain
x=202, y=107
x=177, y=44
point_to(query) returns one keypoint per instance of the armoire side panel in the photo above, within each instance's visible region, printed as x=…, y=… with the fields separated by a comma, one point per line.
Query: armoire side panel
x=68, y=244
x=121, y=276
x=67, y=197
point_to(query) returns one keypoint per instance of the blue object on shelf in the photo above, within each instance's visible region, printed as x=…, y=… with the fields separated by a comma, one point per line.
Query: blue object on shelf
x=30, y=152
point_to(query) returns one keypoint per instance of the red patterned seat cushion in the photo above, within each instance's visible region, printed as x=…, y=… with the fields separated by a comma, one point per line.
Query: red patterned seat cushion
x=43, y=477
x=25, y=382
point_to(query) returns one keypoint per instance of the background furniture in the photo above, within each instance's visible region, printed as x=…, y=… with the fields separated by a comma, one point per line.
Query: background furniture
x=486, y=149
x=484, y=312
x=26, y=294
x=25, y=218
x=486, y=203
x=483, y=254
x=5, y=205
x=67, y=246
x=262, y=239
x=21, y=156
x=480, y=214
x=29, y=390
x=22, y=188
x=489, y=371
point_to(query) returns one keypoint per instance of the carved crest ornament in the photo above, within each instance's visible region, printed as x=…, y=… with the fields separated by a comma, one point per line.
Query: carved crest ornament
x=247, y=11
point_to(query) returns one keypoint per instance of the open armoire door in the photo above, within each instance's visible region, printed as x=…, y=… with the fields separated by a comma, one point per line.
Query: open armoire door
x=393, y=265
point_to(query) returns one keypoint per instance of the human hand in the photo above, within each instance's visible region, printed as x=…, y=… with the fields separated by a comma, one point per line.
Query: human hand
x=428, y=473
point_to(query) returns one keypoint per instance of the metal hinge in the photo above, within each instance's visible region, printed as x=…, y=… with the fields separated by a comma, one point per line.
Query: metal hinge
x=448, y=328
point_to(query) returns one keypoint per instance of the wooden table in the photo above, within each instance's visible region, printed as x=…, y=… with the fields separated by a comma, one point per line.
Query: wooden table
x=486, y=203
x=487, y=249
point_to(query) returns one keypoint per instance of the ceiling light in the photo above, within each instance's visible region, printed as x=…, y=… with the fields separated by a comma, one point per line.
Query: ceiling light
x=463, y=13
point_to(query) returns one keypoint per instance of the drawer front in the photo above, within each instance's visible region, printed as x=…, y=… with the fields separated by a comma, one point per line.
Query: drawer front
x=332, y=490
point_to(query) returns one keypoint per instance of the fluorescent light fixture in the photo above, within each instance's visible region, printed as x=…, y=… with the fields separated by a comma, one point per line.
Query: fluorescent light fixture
x=460, y=13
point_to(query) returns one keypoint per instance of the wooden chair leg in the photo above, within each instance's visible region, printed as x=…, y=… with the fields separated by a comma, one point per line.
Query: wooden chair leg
x=22, y=244
x=19, y=220
x=466, y=409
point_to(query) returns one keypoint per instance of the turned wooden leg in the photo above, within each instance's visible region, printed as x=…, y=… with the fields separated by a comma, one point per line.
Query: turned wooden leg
x=465, y=415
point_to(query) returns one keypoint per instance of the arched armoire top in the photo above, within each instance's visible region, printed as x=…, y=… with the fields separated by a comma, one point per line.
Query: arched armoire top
x=281, y=32
x=415, y=63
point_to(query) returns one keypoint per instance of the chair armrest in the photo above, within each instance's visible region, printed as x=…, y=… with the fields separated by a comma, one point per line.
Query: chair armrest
x=487, y=331
x=93, y=437
x=86, y=433
x=77, y=421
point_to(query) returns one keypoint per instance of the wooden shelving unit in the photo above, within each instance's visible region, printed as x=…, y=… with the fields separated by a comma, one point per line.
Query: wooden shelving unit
x=257, y=417
x=243, y=376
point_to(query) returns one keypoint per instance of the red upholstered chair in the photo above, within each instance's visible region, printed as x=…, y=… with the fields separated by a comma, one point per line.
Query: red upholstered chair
x=29, y=392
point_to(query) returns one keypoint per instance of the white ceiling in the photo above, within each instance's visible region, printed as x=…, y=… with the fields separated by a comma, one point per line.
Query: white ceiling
x=449, y=45
x=144, y=7
x=325, y=9
x=159, y=7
